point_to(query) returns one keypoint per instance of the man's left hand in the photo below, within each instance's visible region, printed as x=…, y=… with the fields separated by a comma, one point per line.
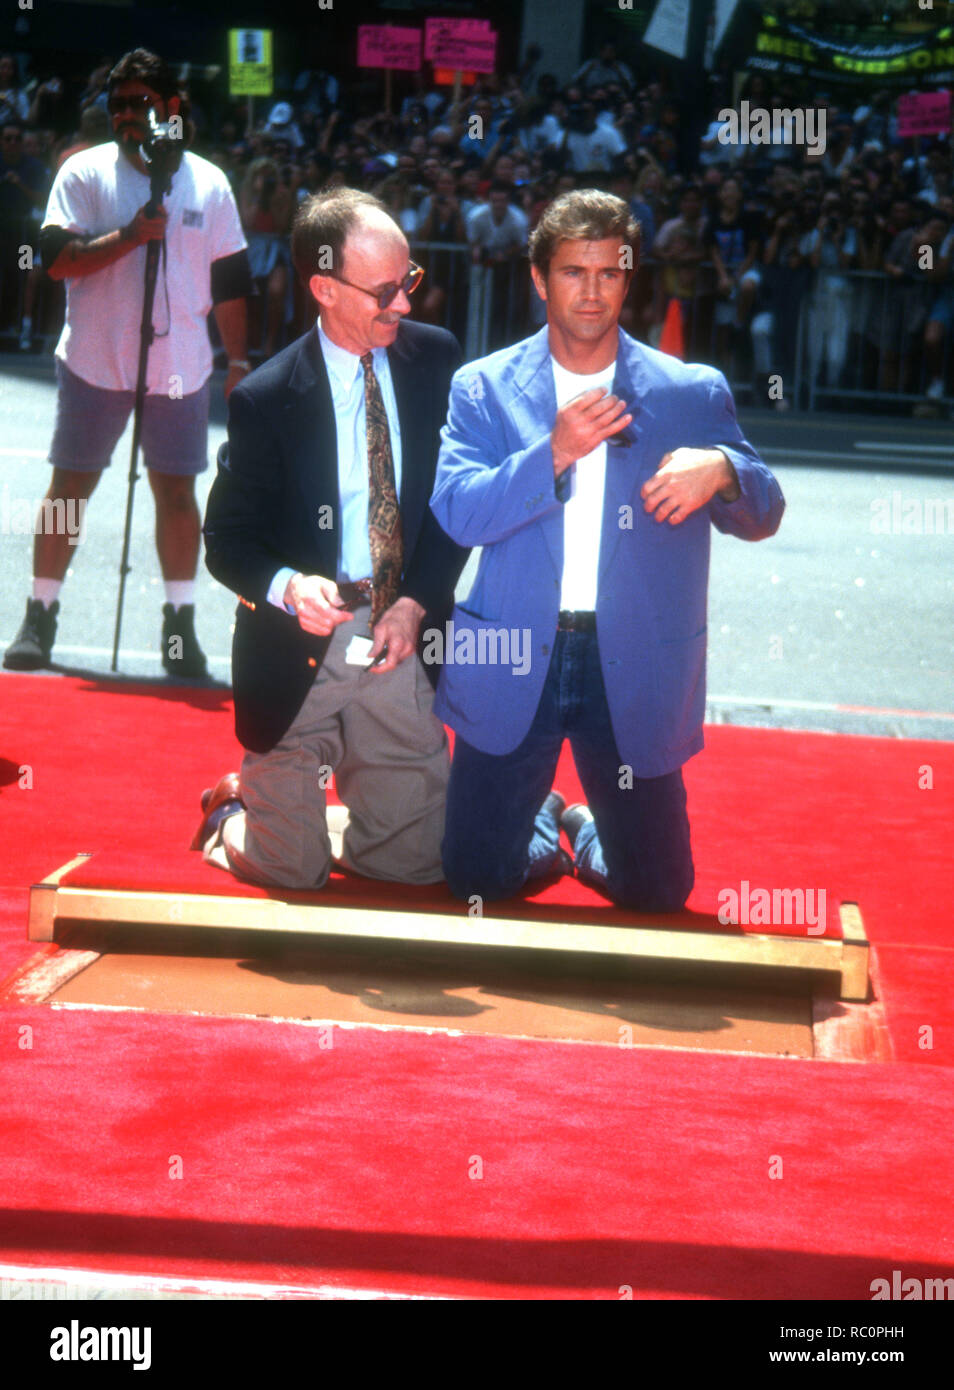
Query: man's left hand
x=397, y=629
x=686, y=480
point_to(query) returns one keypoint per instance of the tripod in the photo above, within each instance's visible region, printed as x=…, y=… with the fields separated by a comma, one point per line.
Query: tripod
x=160, y=182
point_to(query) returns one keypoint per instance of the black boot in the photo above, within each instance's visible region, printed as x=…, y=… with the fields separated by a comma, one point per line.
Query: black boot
x=181, y=654
x=31, y=648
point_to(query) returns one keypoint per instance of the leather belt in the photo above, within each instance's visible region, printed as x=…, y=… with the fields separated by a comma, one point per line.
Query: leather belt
x=576, y=620
x=356, y=593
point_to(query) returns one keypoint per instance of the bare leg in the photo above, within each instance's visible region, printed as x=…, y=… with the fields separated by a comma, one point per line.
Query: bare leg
x=68, y=493
x=177, y=524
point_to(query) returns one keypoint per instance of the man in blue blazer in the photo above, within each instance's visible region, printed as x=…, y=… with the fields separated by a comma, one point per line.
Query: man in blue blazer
x=589, y=468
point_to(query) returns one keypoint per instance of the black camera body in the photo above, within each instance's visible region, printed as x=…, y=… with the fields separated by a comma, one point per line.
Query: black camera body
x=162, y=152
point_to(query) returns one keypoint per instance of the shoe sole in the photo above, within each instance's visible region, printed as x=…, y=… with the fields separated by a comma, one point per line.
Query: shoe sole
x=25, y=663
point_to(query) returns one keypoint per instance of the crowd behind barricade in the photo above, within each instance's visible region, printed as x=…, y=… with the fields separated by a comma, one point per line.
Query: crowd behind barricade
x=799, y=270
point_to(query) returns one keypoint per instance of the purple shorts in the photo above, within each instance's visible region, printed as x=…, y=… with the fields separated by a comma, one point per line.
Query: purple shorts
x=90, y=421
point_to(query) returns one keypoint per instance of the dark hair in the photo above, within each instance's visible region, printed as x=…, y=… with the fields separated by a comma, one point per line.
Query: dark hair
x=154, y=72
x=585, y=214
x=322, y=223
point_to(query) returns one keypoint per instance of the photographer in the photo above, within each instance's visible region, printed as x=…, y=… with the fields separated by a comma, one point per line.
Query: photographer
x=266, y=203
x=916, y=280
x=833, y=246
x=94, y=236
x=24, y=182
x=497, y=232
x=589, y=145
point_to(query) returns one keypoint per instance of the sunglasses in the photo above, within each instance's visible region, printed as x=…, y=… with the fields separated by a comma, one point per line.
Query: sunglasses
x=389, y=293
x=140, y=102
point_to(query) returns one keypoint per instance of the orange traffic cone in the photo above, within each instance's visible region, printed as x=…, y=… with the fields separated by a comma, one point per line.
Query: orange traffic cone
x=671, y=339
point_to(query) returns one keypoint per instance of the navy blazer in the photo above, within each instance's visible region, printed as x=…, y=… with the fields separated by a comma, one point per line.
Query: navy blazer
x=495, y=489
x=275, y=502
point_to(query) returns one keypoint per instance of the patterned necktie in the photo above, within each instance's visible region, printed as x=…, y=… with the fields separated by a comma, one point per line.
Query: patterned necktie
x=384, y=517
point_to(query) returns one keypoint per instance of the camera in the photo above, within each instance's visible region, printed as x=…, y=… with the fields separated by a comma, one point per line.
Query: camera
x=162, y=150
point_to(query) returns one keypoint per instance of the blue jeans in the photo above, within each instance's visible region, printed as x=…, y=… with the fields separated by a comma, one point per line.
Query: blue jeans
x=637, y=850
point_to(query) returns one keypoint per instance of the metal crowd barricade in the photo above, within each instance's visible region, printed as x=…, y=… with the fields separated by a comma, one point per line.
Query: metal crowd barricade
x=865, y=337
x=856, y=335
x=486, y=306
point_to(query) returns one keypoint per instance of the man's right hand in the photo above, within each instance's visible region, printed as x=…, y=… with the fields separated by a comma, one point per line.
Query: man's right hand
x=317, y=603
x=584, y=423
x=142, y=228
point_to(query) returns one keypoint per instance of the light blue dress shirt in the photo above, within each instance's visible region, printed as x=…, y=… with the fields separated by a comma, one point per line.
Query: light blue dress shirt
x=346, y=378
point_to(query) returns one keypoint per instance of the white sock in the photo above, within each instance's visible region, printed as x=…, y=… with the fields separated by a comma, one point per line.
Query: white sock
x=179, y=591
x=27, y=324
x=46, y=590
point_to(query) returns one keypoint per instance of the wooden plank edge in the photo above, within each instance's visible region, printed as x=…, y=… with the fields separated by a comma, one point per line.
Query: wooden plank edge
x=41, y=919
x=227, y=913
x=855, y=981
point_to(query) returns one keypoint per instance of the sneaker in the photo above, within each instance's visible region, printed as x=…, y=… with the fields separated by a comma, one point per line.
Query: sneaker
x=31, y=648
x=26, y=342
x=935, y=391
x=573, y=820
x=181, y=654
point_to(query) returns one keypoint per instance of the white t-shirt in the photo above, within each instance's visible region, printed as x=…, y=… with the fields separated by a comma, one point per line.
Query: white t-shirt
x=583, y=509
x=594, y=150
x=483, y=231
x=98, y=190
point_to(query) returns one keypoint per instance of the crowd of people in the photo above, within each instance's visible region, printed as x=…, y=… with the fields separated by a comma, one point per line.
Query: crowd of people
x=748, y=240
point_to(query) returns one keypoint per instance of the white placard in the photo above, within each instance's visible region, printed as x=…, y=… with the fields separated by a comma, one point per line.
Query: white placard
x=668, y=30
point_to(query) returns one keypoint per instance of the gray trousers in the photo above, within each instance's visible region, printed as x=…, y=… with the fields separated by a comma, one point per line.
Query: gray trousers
x=390, y=759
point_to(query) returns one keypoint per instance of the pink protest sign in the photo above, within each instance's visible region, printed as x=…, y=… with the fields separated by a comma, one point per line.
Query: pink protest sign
x=461, y=43
x=388, y=46
x=924, y=113
x=435, y=29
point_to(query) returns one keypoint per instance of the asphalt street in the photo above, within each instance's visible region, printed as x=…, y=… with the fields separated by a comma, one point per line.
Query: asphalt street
x=843, y=621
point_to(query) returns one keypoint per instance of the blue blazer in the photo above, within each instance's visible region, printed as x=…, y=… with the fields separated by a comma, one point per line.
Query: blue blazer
x=495, y=488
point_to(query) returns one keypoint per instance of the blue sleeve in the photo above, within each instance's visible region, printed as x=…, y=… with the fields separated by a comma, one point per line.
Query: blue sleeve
x=481, y=493
x=757, y=511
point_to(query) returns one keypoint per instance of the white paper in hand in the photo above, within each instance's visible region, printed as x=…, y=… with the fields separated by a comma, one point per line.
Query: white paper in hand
x=359, y=651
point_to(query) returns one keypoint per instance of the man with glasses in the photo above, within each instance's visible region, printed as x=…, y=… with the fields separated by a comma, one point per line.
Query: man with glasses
x=319, y=521
x=94, y=237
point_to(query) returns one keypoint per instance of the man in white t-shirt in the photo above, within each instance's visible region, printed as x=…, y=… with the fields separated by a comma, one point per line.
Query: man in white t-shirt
x=94, y=237
x=592, y=146
x=590, y=470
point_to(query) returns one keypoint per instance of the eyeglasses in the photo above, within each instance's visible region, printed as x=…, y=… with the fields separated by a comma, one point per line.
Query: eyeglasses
x=139, y=102
x=389, y=293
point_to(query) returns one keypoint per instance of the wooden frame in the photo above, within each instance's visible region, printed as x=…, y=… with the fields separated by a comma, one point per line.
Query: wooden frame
x=50, y=901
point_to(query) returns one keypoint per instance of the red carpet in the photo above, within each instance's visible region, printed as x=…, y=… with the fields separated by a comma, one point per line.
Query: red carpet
x=352, y=1164
x=600, y=1168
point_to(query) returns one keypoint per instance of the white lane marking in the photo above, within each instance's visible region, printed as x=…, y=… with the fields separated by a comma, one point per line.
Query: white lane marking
x=814, y=455
x=905, y=448
x=750, y=702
